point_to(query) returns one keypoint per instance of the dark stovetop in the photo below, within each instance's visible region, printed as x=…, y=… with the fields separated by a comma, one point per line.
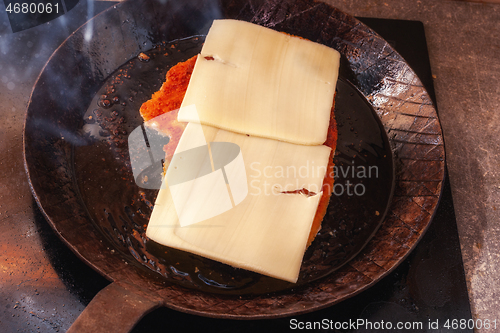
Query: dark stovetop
x=428, y=286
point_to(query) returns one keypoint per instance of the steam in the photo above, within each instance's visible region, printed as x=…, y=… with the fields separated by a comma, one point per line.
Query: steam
x=30, y=49
x=63, y=133
x=89, y=29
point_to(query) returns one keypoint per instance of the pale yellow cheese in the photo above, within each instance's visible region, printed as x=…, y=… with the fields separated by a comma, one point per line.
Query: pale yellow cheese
x=270, y=96
x=267, y=231
x=264, y=83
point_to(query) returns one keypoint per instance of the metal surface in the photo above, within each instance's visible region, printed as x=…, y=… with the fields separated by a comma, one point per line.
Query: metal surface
x=413, y=128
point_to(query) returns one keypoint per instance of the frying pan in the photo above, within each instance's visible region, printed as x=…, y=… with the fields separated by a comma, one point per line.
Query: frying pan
x=76, y=72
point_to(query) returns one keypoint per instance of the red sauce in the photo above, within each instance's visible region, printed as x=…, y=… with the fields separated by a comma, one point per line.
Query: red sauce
x=331, y=141
x=166, y=102
x=171, y=93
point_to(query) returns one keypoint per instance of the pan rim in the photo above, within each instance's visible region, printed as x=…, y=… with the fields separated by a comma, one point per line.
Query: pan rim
x=39, y=199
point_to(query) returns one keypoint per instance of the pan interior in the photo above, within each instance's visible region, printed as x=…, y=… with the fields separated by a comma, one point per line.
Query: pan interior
x=120, y=210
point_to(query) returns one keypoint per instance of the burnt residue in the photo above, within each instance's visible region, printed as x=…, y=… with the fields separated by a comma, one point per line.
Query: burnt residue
x=302, y=191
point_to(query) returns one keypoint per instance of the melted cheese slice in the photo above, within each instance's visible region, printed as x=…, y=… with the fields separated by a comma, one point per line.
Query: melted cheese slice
x=267, y=231
x=254, y=80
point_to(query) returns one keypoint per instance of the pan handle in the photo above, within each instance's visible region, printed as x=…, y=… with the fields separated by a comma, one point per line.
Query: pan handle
x=116, y=308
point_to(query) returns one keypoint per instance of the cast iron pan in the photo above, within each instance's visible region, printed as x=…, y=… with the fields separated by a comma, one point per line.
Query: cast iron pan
x=86, y=101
